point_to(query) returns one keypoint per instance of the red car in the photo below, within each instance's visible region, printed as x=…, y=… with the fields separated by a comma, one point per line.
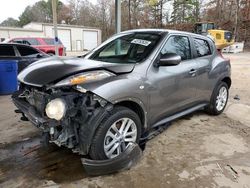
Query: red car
x=46, y=45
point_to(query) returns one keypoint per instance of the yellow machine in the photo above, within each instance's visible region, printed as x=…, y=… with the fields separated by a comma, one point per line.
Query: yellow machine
x=222, y=38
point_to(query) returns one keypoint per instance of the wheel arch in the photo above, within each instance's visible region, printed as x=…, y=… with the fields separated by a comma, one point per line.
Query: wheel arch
x=88, y=130
x=224, y=78
x=135, y=107
x=228, y=81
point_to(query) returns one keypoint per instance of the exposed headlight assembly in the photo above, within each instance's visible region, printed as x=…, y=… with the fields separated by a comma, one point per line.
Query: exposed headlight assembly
x=84, y=78
x=56, y=109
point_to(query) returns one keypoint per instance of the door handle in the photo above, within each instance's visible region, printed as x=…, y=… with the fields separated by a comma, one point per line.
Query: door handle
x=192, y=72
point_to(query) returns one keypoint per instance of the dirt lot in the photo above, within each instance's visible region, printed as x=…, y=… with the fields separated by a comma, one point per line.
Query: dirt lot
x=195, y=151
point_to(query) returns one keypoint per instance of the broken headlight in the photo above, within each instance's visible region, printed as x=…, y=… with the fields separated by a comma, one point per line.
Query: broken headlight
x=84, y=78
x=56, y=109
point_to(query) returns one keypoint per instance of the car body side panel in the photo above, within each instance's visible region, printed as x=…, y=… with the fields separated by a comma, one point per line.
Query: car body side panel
x=126, y=87
x=212, y=70
x=174, y=86
x=171, y=89
x=204, y=69
x=221, y=69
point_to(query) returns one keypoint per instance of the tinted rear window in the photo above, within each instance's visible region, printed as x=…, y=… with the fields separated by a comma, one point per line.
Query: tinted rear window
x=20, y=41
x=51, y=41
x=7, y=51
x=28, y=41
x=26, y=51
x=32, y=41
x=202, y=47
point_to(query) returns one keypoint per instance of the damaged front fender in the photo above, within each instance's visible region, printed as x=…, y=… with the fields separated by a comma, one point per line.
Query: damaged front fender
x=121, y=89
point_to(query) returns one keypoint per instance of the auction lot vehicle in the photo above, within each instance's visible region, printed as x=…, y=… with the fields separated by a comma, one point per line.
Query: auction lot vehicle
x=134, y=82
x=47, y=45
x=25, y=55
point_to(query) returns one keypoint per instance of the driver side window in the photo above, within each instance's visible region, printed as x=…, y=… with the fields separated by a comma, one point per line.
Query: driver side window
x=179, y=45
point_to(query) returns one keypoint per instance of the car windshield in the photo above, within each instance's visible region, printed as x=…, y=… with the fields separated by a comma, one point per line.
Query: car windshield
x=131, y=48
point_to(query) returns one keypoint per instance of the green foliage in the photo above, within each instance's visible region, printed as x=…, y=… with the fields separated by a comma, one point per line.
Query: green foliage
x=41, y=11
x=185, y=11
x=26, y=16
x=10, y=22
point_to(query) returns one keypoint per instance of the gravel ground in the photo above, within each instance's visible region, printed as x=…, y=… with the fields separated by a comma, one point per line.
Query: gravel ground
x=195, y=151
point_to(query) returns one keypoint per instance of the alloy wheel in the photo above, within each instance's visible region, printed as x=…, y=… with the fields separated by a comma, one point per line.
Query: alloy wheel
x=221, y=98
x=119, y=136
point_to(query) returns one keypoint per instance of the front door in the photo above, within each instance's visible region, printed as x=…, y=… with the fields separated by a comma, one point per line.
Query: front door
x=172, y=88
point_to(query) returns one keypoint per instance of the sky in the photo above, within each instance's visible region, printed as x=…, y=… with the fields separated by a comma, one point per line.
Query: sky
x=14, y=8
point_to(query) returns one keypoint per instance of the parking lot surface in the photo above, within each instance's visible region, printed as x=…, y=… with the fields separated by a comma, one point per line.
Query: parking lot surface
x=195, y=151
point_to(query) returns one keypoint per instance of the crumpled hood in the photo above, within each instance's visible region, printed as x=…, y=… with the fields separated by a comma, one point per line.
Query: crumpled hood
x=54, y=69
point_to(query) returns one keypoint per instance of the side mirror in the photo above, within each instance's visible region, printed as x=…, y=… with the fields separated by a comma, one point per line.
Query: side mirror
x=169, y=59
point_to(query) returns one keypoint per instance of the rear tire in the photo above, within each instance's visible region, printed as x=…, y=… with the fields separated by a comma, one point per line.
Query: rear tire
x=218, y=100
x=112, y=134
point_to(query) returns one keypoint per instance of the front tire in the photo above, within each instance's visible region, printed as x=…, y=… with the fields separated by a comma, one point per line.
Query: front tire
x=219, y=99
x=116, y=131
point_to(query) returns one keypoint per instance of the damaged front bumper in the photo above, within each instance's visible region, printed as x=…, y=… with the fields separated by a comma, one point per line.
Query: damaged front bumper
x=31, y=113
x=76, y=129
x=122, y=162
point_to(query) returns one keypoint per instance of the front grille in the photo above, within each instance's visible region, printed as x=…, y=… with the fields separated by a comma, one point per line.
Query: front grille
x=34, y=97
x=38, y=101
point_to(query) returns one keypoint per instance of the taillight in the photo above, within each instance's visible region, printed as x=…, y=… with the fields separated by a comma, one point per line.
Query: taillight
x=221, y=55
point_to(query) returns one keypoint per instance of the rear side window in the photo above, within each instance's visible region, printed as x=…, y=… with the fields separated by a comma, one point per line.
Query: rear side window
x=202, y=47
x=7, y=51
x=20, y=41
x=50, y=41
x=26, y=51
x=179, y=45
x=32, y=41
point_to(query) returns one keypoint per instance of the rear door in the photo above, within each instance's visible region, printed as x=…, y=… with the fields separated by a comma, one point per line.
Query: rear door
x=204, y=57
x=173, y=88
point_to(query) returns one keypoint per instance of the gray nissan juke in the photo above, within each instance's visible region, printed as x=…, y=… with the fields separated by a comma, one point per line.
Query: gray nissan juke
x=135, y=81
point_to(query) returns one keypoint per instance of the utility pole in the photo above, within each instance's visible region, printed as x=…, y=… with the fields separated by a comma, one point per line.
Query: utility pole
x=236, y=24
x=129, y=14
x=54, y=8
x=118, y=25
x=118, y=16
